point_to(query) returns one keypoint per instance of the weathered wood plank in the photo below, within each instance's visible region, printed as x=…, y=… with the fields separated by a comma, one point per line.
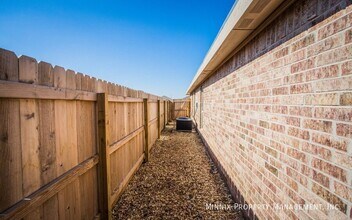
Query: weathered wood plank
x=69, y=198
x=50, y=208
x=123, y=141
x=29, y=123
x=28, y=91
x=30, y=146
x=46, y=112
x=10, y=153
x=8, y=65
x=78, y=79
x=47, y=146
x=88, y=194
x=86, y=131
x=69, y=201
x=10, y=142
x=70, y=79
x=113, y=98
x=124, y=183
x=113, y=119
x=61, y=125
x=34, y=200
x=28, y=70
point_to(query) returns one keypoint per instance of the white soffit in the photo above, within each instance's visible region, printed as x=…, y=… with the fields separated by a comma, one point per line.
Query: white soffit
x=244, y=17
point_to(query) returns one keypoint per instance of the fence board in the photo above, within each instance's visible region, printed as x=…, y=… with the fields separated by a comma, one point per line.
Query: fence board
x=8, y=65
x=88, y=194
x=28, y=73
x=46, y=127
x=39, y=197
x=181, y=108
x=55, y=127
x=10, y=154
x=69, y=207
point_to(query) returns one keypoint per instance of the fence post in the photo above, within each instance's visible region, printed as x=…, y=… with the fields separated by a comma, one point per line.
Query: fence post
x=159, y=130
x=170, y=110
x=146, y=130
x=104, y=163
x=189, y=108
x=164, y=114
x=173, y=110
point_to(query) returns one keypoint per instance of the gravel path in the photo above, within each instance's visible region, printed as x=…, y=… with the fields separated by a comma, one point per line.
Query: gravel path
x=177, y=183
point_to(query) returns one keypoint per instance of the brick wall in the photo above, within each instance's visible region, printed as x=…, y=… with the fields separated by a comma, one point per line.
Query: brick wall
x=278, y=115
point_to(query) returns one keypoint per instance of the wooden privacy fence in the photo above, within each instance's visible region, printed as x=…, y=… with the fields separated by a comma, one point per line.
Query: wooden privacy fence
x=181, y=108
x=69, y=143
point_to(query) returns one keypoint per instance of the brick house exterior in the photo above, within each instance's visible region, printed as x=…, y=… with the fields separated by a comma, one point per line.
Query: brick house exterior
x=277, y=115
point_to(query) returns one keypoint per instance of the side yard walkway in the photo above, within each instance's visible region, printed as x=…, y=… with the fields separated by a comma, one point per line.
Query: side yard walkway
x=177, y=183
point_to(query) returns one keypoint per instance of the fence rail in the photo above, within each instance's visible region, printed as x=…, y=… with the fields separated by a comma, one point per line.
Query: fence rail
x=69, y=143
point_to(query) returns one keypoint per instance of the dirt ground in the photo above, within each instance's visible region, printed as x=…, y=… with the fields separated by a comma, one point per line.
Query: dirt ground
x=177, y=183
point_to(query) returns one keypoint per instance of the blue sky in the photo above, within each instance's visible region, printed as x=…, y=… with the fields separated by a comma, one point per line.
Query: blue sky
x=151, y=45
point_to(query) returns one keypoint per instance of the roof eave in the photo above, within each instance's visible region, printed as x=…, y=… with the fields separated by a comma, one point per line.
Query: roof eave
x=243, y=19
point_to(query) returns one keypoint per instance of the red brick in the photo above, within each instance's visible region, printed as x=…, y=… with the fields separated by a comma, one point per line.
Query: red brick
x=276, y=163
x=283, y=113
x=271, y=169
x=297, y=154
x=327, y=44
x=329, y=197
x=277, y=146
x=271, y=186
x=338, y=84
x=304, y=42
x=344, y=130
x=341, y=114
x=301, y=111
x=322, y=99
x=328, y=140
x=303, y=65
x=336, y=55
x=332, y=28
x=264, y=124
x=297, y=176
x=317, y=150
x=293, y=121
x=289, y=161
x=330, y=169
x=289, y=181
x=277, y=127
x=346, y=98
x=319, y=125
x=280, y=109
x=294, y=196
x=280, y=91
x=296, y=78
x=342, y=159
x=343, y=191
x=297, y=132
x=281, y=53
x=271, y=151
x=346, y=68
x=301, y=88
x=323, y=72
x=294, y=57
x=321, y=178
